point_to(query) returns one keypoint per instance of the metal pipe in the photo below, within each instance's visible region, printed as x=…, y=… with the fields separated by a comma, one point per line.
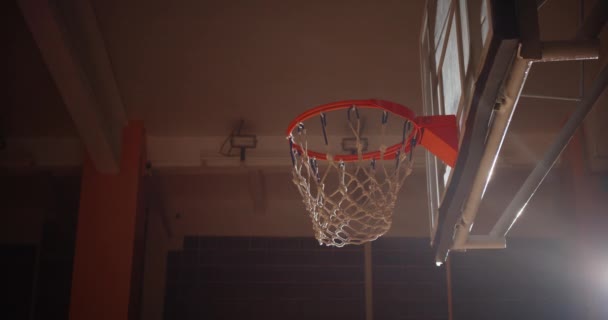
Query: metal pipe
x=570, y=50
x=448, y=280
x=581, y=82
x=432, y=184
x=535, y=179
x=502, y=118
x=367, y=261
x=548, y=97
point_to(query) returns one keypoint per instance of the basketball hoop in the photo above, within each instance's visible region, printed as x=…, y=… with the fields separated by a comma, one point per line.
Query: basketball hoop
x=351, y=197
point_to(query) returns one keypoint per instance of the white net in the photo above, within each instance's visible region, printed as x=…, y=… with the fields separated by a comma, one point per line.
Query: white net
x=350, y=202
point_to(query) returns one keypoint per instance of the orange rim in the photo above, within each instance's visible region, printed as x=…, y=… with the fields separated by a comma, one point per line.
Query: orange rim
x=391, y=107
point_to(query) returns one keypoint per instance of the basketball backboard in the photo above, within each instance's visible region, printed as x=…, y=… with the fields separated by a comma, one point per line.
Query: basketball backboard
x=468, y=49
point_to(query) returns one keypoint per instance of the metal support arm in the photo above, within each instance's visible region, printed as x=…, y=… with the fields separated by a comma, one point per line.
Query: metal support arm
x=535, y=179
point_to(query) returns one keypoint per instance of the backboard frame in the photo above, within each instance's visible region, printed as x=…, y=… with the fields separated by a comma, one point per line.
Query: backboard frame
x=500, y=47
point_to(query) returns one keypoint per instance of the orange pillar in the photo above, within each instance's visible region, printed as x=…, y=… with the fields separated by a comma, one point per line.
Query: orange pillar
x=591, y=213
x=108, y=260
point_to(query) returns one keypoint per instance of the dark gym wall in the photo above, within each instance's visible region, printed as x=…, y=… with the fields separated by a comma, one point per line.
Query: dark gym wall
x=38, y=224
x=295, y=278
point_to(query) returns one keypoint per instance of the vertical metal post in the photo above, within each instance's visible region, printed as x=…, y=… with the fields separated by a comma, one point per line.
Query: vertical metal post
x=35, y=280
x=448, y=277
x=369, y=302
x=581, y=83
